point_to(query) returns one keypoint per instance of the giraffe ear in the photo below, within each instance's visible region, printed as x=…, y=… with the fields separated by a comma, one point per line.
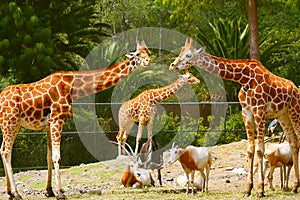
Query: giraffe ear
x=140, y=45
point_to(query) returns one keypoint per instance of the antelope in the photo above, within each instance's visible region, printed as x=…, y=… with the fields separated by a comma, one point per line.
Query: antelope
x=149, y=159
x=191, y=159
x=135, y=176
x=277, y=155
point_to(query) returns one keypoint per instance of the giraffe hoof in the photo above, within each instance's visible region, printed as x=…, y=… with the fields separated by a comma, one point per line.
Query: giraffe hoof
x=260, y=195
x=295, y=190
x=61, y=196
x=18, y=197
x=50, y=193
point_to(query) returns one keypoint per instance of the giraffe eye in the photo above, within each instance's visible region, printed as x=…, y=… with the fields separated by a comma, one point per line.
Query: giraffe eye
x=188, y=55
x=138, y=54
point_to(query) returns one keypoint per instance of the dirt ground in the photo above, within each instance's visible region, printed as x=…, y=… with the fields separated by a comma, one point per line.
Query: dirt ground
x=228, y=173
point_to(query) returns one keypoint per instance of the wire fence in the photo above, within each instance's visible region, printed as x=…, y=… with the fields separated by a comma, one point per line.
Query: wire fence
x=30, y=147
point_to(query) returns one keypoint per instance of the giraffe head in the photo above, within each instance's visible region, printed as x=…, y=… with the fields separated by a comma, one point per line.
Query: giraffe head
x=141, y=55
x=183, y=61
x=189, y=78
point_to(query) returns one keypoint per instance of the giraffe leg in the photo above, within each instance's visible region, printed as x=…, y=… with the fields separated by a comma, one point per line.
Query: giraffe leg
x=249, y=124
x=6, y=153
x=49, y=189
x=292, y=138
x=120, y=141
x=260, y=128
x=126, y=131
x=139, y=136
x=56, y=130
x=150, y=128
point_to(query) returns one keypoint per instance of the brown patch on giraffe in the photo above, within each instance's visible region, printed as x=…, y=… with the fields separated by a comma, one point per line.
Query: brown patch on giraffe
x=246, y=71
x=229, y=75
x=47, y=100
x=108, y=84
x=281, y=106
x=116, y=80
x=237, y=76
x=230, y=67
x=117, y=70
x=55, y=79
x=81, y=93
x=63, y=88
x=30, y=111
x=53, y=94
x=40, y=89
x=259, y=89
x=37, y=115
x=79, y=83
x=253, y=101
x=222, y=73
x=68, y=78
x=38, y=104
x=27, y=95
x=244, y=80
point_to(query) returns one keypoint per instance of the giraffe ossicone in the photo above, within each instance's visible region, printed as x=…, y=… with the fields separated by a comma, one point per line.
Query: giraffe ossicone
x=262, y=95
x=47, y=105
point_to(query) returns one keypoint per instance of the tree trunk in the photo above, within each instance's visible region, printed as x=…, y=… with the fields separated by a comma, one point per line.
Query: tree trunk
x=253, y=27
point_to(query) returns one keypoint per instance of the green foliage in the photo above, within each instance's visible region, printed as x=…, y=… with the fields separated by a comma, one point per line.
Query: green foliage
x=40, y=37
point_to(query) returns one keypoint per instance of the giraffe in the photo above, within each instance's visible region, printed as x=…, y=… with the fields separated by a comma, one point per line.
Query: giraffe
x=262, y=95
x=143, y=108
x=46, y=105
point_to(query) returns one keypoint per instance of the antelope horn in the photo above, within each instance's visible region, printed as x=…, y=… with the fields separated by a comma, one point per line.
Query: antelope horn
x=130, y=156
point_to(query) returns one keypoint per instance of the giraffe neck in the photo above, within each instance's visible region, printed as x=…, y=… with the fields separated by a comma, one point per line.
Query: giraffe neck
x=240, y=71
x=167, y=91
x=90, y=82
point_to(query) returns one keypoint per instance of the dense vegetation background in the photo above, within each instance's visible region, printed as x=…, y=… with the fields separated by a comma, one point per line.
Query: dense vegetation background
x=40, y=37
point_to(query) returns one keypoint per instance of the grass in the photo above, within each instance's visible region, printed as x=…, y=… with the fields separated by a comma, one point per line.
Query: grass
x=102, y=180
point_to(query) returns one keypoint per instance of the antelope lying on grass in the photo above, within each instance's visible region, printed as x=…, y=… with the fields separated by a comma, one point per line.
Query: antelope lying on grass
x=193, y=159
x=181, y=181
x=135, y=176
x=151, y=157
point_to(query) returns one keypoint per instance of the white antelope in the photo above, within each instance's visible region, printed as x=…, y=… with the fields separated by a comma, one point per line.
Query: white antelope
x=192, y=159
x=279, y=155
x=135, y=176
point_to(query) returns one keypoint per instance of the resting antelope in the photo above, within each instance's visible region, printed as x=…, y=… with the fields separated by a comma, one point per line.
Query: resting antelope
x=135, y=176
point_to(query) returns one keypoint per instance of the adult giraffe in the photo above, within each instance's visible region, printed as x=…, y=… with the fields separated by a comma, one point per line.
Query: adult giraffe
x=263, y=95
x=46, y=105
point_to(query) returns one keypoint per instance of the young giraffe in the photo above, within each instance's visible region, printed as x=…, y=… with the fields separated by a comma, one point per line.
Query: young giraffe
x=142, y=109
x=263, y=95
x=46, y=105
